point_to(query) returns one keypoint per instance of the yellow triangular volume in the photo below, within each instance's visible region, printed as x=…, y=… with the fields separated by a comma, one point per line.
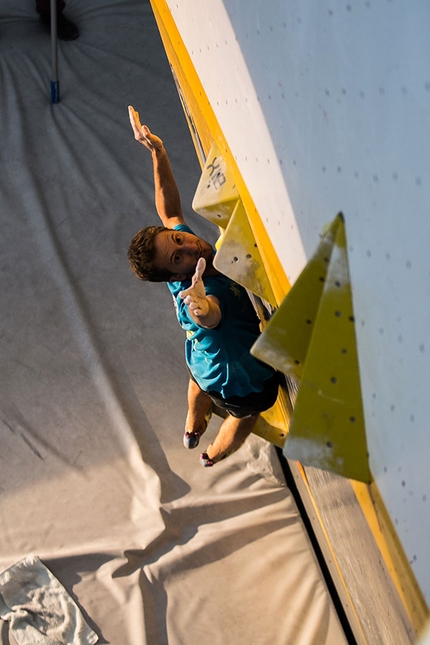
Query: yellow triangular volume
x=238, y=256
x=285, y=341
x=312, y=335
x=216, y=194
x=272, y=425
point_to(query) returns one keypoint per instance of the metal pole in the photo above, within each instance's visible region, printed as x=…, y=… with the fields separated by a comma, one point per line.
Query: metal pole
x=55, y=84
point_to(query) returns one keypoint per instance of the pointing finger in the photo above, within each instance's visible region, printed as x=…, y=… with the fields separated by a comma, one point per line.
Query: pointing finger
x=200, y=269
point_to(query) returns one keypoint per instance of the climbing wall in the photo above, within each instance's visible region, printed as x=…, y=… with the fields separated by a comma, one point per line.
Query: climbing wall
x=325, y=108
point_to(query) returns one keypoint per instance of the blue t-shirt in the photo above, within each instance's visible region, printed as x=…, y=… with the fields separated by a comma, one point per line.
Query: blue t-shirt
x=219, y=359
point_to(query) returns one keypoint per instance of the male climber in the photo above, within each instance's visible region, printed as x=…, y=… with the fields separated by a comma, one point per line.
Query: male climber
x=219, y=320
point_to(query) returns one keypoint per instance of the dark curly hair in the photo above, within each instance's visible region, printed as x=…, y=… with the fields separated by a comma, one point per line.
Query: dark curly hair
x=141, y=255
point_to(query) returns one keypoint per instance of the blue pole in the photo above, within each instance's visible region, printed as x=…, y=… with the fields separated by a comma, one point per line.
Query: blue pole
x=55, y=83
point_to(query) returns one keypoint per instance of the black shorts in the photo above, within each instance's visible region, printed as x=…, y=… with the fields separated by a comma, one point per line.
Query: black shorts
x=253, y=403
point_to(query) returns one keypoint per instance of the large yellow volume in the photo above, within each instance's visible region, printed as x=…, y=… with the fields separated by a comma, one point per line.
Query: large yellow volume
x=312, y=337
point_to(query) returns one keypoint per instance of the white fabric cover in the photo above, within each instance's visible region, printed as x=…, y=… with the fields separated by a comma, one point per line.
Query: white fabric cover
x=38, y=608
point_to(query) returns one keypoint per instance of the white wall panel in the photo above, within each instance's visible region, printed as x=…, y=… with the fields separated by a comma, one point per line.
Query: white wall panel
x=326, y=107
